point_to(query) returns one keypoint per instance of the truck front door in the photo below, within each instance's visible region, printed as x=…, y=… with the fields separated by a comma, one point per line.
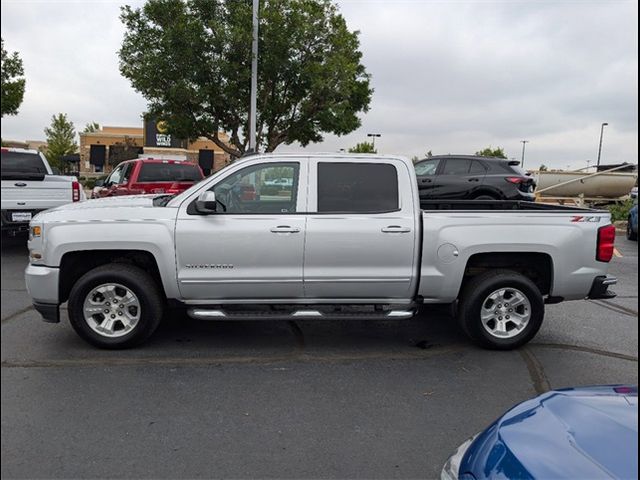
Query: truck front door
x=252, y=247
x=361, y=230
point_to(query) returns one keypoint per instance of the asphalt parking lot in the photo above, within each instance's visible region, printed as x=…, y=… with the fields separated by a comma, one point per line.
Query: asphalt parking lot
x=282, y=399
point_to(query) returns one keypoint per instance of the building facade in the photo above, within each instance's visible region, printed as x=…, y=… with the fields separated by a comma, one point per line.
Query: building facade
x=102, y=149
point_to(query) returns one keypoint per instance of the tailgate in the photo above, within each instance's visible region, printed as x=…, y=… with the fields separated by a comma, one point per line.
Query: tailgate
x=26, y=194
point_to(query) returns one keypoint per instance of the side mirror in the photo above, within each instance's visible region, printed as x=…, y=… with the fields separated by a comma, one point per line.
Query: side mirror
x=99, y=183
x=206, y=202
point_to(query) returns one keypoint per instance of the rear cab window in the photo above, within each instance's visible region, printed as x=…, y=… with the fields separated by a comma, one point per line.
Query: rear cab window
x=169, y=172
x=21, y=164
x=357, y=188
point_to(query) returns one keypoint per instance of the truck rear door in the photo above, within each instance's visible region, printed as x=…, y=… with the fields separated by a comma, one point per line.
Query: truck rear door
x=361, y=230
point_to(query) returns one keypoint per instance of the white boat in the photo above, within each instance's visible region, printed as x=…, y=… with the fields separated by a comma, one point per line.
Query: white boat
x=574, y=184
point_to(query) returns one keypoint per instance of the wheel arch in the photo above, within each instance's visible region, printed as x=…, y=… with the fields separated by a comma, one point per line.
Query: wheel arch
x=74, y=265
x=538, y=267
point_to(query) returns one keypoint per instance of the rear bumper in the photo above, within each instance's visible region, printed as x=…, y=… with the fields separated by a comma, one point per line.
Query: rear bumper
x=600, y=288
x=523, y=196
x=8, y=225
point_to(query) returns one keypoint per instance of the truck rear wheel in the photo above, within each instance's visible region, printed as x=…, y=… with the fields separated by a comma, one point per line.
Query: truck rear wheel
x=501, y=309
x=115, y=306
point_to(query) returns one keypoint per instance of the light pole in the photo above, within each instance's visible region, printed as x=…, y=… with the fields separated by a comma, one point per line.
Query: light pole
x=600, y=147
x=373, y=136
x=524, y=144
x=254, y=80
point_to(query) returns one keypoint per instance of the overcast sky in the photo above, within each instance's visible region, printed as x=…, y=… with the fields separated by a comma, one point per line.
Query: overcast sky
x=449, y=76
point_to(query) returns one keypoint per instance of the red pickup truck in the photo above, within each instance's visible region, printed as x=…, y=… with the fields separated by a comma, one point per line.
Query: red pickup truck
x=134, y=177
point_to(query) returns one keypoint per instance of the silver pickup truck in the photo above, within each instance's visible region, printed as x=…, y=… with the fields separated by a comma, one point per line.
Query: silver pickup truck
x=345, y=237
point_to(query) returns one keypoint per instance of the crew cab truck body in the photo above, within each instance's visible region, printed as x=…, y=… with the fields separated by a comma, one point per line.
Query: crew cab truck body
x=29, y=187
x=348, y=239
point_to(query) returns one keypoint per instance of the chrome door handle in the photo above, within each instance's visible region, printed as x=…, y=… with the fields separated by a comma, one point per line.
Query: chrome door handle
x=396, y=229
x=285, y=229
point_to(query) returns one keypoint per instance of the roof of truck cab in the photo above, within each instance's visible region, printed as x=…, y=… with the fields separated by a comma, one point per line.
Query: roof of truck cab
x=20, y=150
x=321, y=155
x=466, y=157
x=159, y=160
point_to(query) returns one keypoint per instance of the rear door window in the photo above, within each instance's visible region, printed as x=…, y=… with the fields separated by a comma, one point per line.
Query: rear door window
x=357, y=188
x=457, y=166
x=169, y=172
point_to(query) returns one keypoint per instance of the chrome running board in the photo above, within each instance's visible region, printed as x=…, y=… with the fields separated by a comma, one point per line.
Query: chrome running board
x=306, y=314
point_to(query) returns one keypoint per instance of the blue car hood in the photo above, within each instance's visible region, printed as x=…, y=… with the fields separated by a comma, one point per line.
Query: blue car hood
x=572, y=433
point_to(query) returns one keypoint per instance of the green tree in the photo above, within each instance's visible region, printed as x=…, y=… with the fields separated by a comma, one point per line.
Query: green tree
x=91, y=127
x=61, y=139
x=543, y=168
x=191, y=60
x=497, y=152
x=364, y=147
x=121, y=151
x=11, y=83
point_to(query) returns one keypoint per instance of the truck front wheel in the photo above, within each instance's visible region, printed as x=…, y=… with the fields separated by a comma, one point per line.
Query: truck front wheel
x=501, y=309
x=115, y=306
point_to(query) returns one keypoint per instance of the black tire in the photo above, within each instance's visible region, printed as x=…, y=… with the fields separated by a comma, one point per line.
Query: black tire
x=476, y=292
x=631, y=235
x=131, y=277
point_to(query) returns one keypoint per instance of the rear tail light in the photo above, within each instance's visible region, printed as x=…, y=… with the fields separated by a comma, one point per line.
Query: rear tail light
x=606, y=243
x=516, y=180
x=75, y=191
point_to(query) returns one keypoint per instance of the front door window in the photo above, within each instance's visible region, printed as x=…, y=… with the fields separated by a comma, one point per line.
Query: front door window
x=266, y=189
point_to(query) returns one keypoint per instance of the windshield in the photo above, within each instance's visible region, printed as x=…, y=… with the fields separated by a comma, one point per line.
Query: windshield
x=169, y=172
x=21, y=162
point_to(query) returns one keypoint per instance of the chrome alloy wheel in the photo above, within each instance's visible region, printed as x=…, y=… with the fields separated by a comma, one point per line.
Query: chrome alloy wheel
x=111, y=310
x=505, y=313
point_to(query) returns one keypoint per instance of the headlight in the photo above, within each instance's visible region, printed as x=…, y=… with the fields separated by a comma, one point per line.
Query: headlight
x=451, y=469
x=35, y=231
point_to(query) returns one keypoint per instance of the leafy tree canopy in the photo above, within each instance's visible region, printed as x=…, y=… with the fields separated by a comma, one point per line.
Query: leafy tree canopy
x=543, y=168
x=364, y=147
x=91, y=127
x=61, y=139
x=11, y=83
x=191, y=60
x=497, y=152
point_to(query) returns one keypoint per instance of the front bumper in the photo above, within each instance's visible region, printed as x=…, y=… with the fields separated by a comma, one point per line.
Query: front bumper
x=42, y=284
x=600, y=288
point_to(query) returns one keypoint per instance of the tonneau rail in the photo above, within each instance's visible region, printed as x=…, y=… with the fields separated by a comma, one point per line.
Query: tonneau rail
x=502, y=205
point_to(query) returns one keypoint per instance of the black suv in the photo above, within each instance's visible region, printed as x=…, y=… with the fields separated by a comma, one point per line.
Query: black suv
x=469, y=177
